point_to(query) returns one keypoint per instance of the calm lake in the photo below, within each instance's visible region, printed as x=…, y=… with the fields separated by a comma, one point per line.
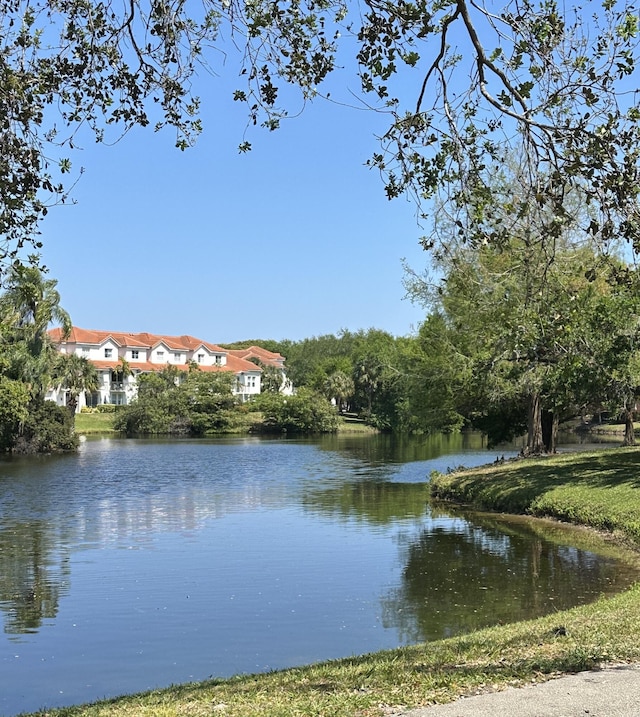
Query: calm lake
x=136, y=564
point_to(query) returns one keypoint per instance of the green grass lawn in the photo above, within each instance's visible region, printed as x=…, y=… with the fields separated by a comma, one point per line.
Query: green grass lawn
x=599, y=489
x=347, y=424
x=87, y=423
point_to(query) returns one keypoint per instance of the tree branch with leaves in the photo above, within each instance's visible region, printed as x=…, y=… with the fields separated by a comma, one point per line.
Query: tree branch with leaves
x=462, y=84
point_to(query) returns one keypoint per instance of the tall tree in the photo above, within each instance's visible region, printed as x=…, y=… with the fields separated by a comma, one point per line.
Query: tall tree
x=516, y=266
x=14, y=410
x=29, y=304
x=438, y=390
x=376, y=376
x=612, y=362
x=543, y=355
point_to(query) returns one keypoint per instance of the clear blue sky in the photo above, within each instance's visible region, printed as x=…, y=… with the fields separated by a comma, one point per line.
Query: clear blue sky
x=292, y=240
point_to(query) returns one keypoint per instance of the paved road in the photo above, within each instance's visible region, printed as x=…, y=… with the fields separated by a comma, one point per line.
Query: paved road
x=610, y=692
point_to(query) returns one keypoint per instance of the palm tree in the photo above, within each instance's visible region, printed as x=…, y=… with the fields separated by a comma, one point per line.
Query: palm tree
x=368, y=376
x=76, y=374
x=31, y=303
x=340, y=387
x=122, y=371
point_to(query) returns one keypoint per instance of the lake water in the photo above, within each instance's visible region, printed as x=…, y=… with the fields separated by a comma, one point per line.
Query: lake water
x=137, y=564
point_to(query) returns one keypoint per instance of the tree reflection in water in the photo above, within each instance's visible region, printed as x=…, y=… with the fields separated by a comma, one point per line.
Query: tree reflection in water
x=33, y=575
x=469, y=573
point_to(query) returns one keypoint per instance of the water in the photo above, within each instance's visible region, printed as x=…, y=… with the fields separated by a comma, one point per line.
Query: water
x=137, y=564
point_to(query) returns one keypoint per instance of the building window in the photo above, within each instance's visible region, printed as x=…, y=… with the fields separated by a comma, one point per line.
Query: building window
x=135, y=354
x=177, y=358
x=200, y=358
x=160, y=355
x=218, y=360
x=85, y=353
x=108, y=353
x=92, y=399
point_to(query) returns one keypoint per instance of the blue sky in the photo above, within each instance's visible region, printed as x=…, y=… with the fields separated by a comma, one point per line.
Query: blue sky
x=292, y=240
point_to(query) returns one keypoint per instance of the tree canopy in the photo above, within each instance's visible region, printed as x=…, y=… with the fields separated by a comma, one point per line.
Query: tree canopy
x=459, y=81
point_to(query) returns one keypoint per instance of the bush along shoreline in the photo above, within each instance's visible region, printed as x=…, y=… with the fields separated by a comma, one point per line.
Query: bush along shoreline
x=599, y=490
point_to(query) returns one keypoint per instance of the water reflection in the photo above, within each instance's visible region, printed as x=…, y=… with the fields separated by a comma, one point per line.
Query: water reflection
x=495, y=571
x=465, y=570
x=139, y=563
x=33, y=575
x=388, y=449
x=374, y=502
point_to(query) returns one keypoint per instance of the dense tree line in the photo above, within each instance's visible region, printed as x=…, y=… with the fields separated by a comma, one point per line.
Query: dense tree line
x=512, y=344
x=358, y=372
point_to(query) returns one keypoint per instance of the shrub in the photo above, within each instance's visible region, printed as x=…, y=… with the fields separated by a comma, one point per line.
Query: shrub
x=107, y=408
x=305, y=412
x=47, y=429
x=14, y=410
x=143, y=418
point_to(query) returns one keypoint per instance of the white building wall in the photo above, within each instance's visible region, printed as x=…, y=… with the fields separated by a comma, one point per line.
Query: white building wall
x=108, y=351
x=202, y=356
x=248, y=384
x=160, y=354
x=90, y=352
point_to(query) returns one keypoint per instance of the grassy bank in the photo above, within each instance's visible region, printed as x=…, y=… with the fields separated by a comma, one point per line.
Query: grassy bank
x=102, y=423
x=90, y=423
x=598, y=489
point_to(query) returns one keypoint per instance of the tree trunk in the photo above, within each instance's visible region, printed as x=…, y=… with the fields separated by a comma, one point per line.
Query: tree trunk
x=550, y=423
x=629, y=433
x=553, y=446
x=535, y=444
x=72, y=405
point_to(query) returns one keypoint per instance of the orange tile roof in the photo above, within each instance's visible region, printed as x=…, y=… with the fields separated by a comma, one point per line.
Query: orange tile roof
x=238, y=364
x=235, y=363
x=135, y=340
x=267, y=357
x=89, y=336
